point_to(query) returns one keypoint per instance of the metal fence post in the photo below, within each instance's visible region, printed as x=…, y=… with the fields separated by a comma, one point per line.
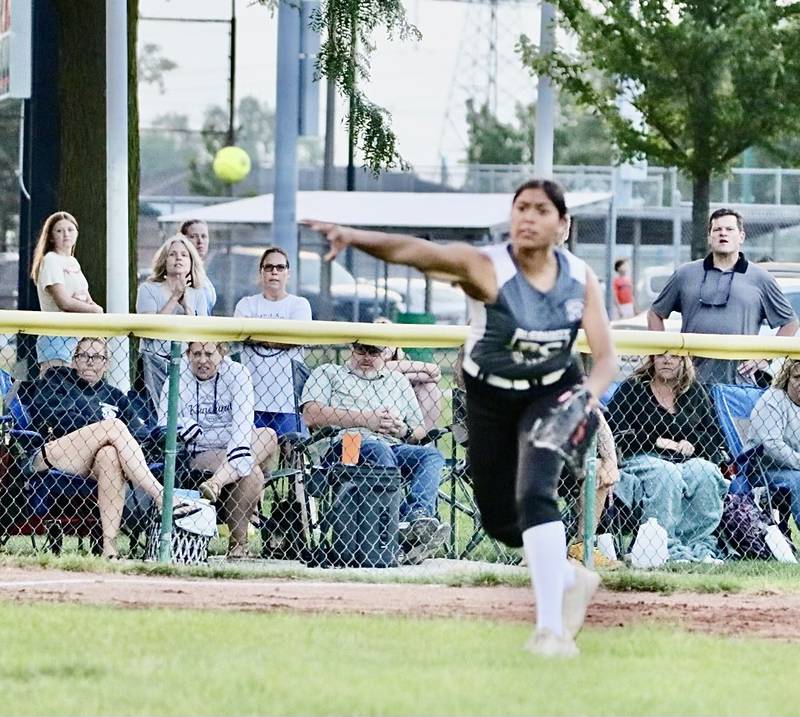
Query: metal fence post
x=589, y=489
x=170, y=452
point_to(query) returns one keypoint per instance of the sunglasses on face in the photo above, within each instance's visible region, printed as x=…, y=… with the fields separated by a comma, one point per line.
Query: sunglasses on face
x=90, y=358
x=269, y=268
x=368, y=350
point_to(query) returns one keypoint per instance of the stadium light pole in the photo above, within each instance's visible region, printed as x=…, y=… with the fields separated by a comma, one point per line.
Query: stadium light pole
x=545, y=98
x=287, y=93
x=117, y=228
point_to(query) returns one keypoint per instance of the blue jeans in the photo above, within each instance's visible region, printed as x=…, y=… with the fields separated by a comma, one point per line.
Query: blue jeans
x=420, y=467
x=787, y=478
x=685, y=498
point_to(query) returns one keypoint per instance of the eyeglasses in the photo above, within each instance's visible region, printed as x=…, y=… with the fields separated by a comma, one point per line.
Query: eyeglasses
x=716, y=294
x=367, y=350
x=269, y=268
x=90, y=358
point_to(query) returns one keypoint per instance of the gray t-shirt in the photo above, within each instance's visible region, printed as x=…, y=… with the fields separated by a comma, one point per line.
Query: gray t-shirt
x=775, y=425
x=712, y=301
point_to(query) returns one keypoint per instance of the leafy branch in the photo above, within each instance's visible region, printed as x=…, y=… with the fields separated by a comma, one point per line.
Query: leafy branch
x=347, y=28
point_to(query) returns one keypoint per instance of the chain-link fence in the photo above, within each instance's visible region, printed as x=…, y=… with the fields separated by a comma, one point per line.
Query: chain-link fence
x=356, y=454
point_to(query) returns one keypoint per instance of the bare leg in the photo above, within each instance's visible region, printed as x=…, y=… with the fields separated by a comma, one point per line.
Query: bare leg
x=265, y=449
x=240, y=503
x=76, y=452
x=241, y=500
x=110, y=496
x=429, y=397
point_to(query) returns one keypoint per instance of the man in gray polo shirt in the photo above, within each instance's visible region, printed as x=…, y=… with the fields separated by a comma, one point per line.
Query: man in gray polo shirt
x=364, y=397
x=724, y=294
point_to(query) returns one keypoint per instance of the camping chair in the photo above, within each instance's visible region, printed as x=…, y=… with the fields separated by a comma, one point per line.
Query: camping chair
x=734, y=406
x=289, y=515
x=50, y=503
x=455, y=488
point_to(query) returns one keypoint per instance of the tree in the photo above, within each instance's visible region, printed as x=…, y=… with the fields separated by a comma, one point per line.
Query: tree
x=491, y=141
x=346, y=27
x=580, y=137
x=709, y=77
x=255, y=133
x=152, y=66
x=82, y=132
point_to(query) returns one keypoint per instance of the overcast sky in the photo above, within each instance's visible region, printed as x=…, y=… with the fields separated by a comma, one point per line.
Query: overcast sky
x=421, y=84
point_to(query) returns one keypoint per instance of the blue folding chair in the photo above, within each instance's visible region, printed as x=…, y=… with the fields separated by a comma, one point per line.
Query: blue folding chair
x=57, y=503
x=734, y=405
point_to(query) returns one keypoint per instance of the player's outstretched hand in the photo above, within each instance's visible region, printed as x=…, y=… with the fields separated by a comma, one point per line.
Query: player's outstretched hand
x=338, y=237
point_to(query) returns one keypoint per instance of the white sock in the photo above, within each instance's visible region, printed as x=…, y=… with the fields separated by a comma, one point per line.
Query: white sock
x=546, y=551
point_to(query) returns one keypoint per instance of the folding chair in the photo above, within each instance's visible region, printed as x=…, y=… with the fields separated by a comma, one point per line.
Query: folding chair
x=734, y=406
x=52, y=503
x=287, y=530
x=455, y=488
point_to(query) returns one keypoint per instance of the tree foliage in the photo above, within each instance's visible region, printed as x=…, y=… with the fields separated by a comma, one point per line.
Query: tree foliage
x=711, y=78
x=347, y=28
x=580, y=137
x=152, y=66
x=255, y=133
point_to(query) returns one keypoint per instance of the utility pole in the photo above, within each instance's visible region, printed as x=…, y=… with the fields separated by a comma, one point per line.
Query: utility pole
x=284, y=221
x=545, y=98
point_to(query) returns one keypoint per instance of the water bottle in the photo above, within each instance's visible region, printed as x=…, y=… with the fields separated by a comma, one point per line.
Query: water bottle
x=650, y=547
x=779, y=545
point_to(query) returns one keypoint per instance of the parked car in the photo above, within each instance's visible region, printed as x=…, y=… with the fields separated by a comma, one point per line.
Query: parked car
x=235, y=274
x=448, y=302
x=9, y=266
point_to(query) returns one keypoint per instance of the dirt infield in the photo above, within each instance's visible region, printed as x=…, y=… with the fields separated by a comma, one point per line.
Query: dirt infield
x=772, y=615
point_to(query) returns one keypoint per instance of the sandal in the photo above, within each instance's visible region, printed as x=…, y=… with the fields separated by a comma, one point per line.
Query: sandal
x=236, y=551
x=210, y=491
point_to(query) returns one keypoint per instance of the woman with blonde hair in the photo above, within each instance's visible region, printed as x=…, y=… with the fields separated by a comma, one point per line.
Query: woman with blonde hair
x=60, y=285
x=670, y=447
x=174, y=287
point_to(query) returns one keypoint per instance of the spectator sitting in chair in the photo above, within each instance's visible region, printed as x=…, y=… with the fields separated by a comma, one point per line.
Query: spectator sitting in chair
x=775, y=425
x=671, y=446
x=381, y=404
x=215, y=420
x=424, y=377
x=90, y=427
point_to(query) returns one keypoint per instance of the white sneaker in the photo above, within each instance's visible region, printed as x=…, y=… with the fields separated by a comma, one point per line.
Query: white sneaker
x=546, y=643
x=577, y=599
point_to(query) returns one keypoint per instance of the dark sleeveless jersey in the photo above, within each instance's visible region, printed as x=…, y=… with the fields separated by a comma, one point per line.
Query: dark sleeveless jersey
x=526, y=333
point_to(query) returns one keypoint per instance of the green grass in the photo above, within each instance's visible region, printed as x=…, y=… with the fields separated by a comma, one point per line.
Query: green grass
x=744, y=576
x=69, y=660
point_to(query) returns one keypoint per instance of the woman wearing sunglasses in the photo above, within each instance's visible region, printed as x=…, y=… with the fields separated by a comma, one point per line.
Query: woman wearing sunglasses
x=270, y=363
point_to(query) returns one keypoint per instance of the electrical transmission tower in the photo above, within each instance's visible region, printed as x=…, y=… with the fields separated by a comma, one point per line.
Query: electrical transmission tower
x=488, y=71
